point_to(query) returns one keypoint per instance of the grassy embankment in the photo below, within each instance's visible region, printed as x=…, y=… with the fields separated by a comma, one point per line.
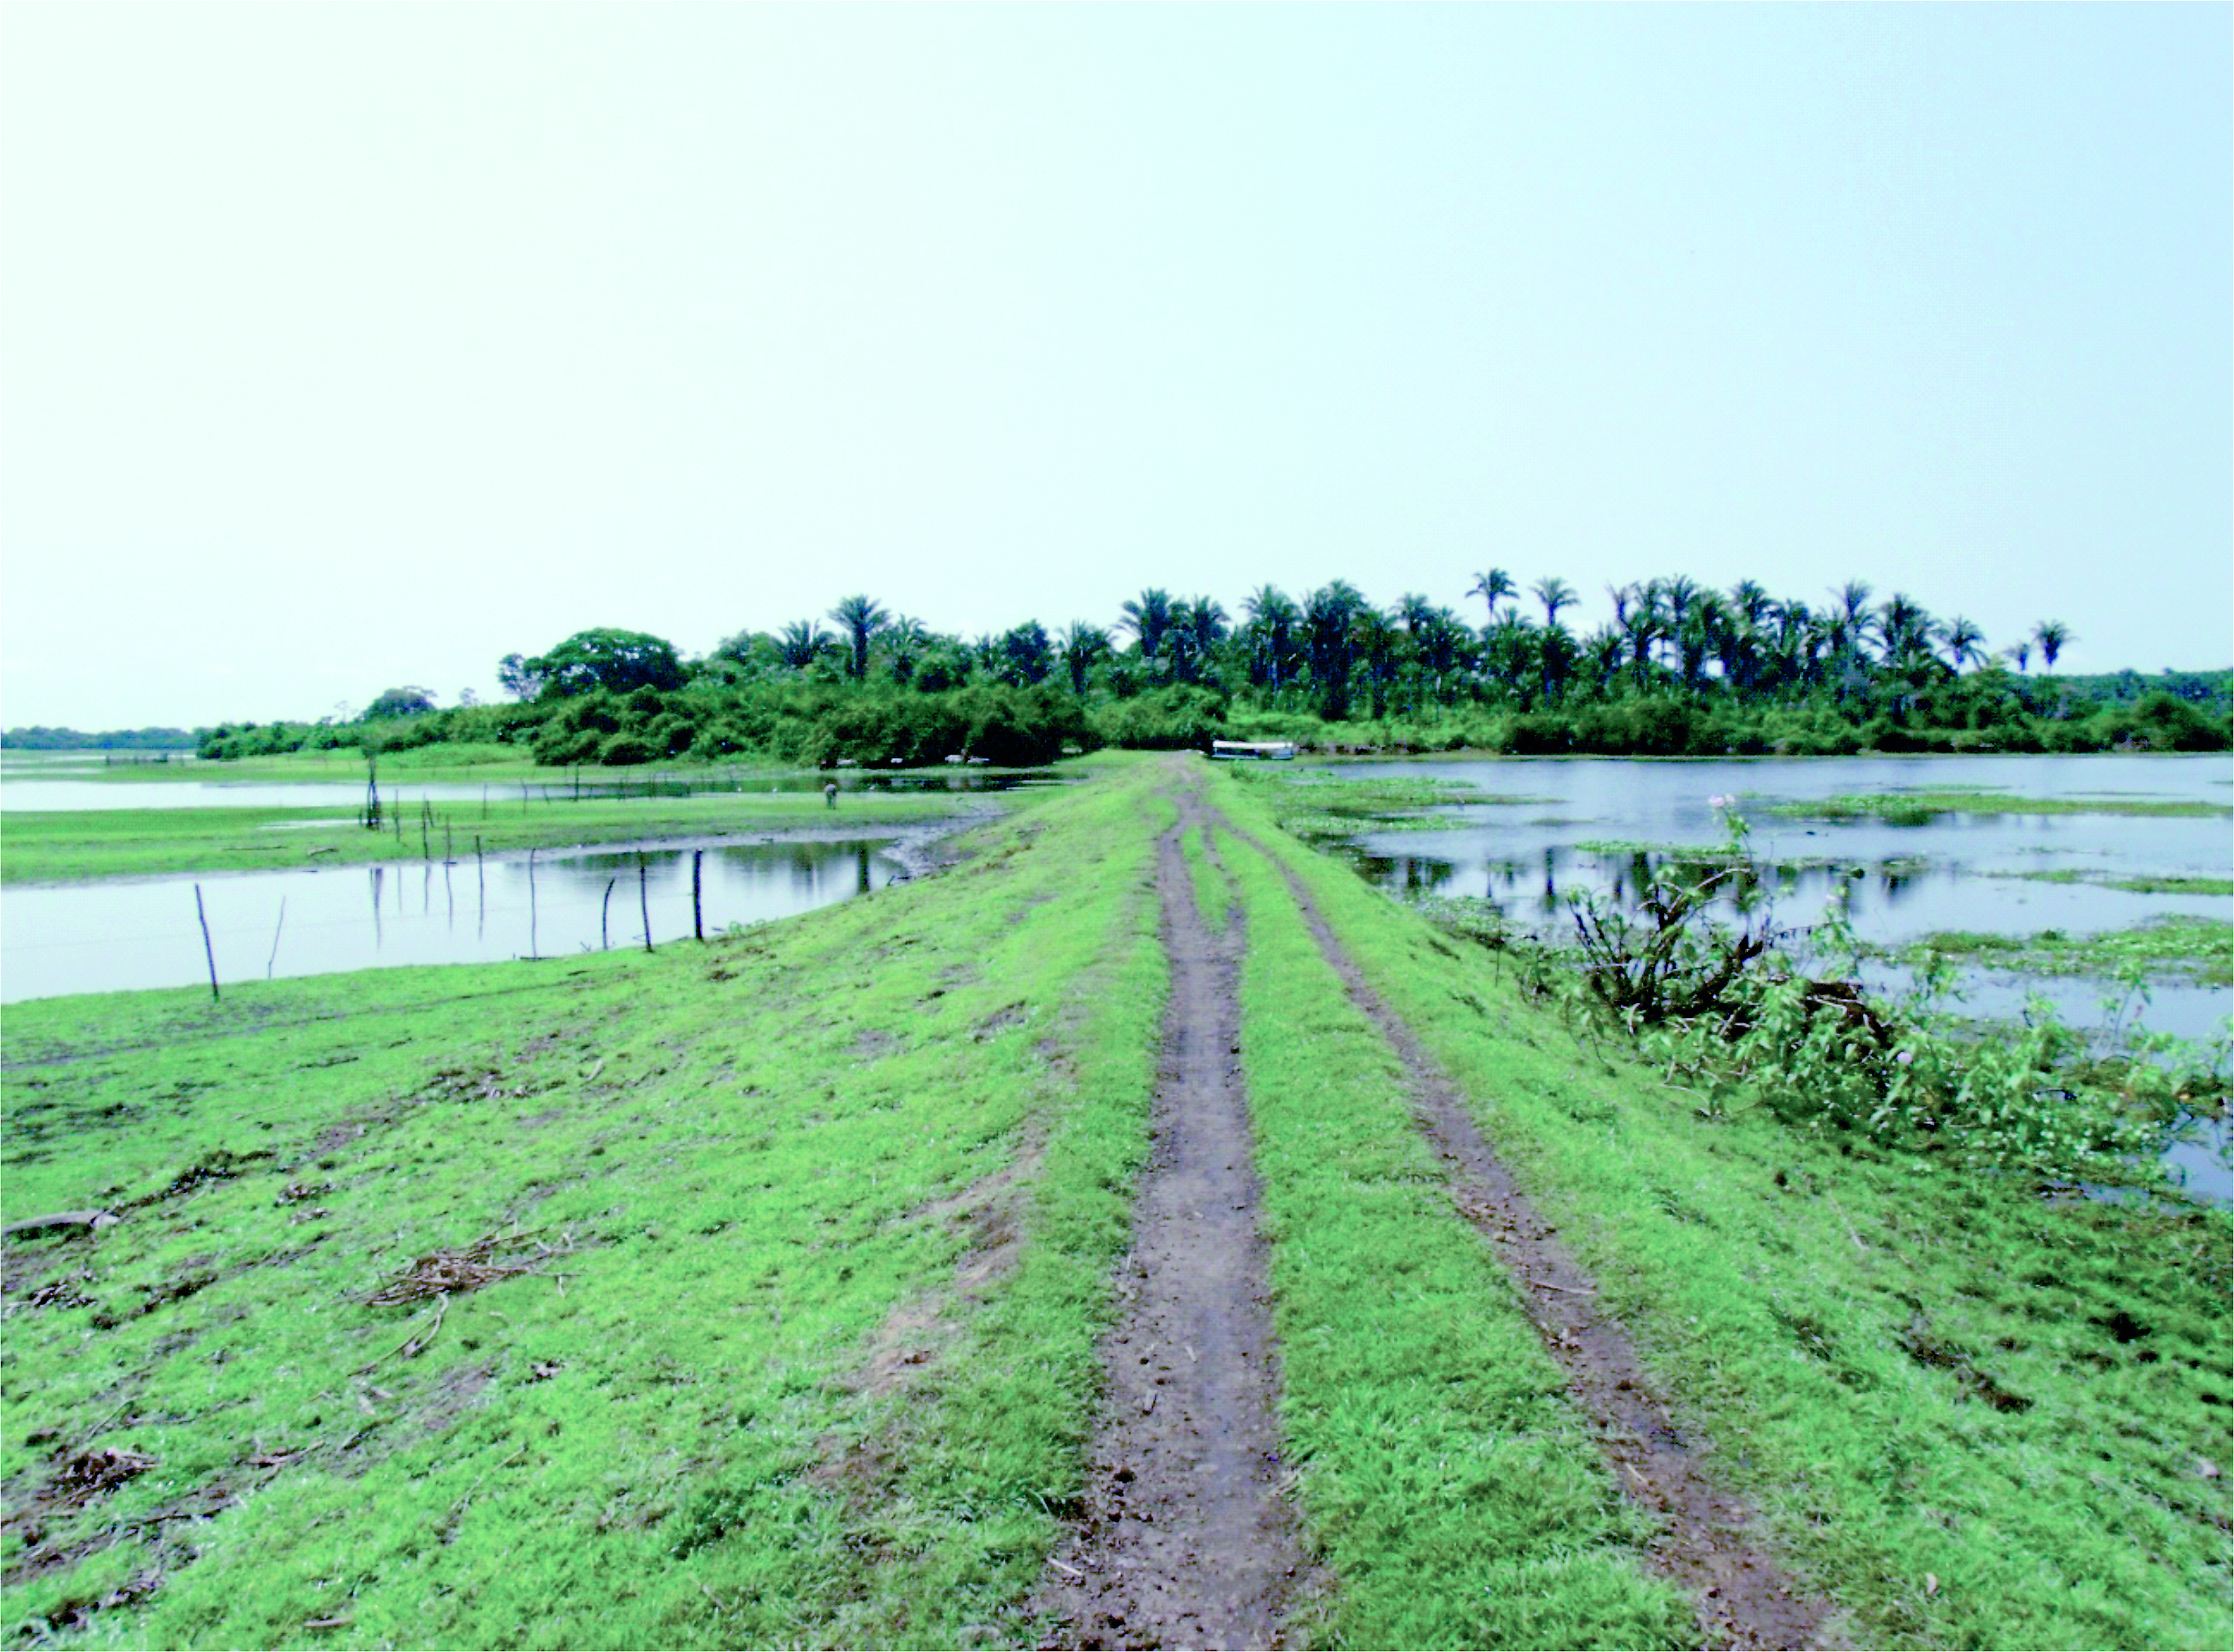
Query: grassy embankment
x=776, y=1170
x=1974, y=1415
x=805, y=1343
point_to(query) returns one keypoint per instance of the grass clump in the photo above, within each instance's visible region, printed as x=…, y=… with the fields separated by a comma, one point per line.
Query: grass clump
x=2200, y=948
x=2142, y=883
x=1921, y=808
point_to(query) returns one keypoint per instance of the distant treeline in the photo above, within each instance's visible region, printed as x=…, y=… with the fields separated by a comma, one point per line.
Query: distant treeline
x=1679, y=669
x=115, y=740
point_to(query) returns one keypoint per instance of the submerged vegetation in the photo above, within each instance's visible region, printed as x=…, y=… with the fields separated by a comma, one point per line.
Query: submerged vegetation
x=2200, y=948
x=1923, y=807
x=1678, y=670
x=1737, y=1012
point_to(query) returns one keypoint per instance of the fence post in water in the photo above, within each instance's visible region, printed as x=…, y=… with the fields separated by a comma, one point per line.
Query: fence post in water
x=426, y=847
x=208, y=951
x=697, y=911
x=530, y=903
x=605, y=910
x=275, y=928
x=643, y=900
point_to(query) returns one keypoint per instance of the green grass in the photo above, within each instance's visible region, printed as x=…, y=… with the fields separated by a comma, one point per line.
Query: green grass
x=65, y=846
x=2201, y=948
x=1913, y=1374
x=833, y=1205
x=1917, y=809
x=1449, y=1486
x=760, y=1164
x=2145, y=884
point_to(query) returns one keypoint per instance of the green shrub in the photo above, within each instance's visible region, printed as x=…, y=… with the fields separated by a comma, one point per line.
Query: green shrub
x=1177, y=718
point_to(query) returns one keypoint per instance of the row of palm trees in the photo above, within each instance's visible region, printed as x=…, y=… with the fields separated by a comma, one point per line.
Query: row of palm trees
x=1332, y=646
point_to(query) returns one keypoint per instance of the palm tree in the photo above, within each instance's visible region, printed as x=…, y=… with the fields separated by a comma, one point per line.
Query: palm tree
x=1272, y=621
x=1492, y=587
x=1329, y=621
x=2051, y=635
x=1749, y=601
x=1965, y=642
x=861, y=620
x=1679, y=596
x=1196, y=627
x=1378, y=642
x=1082, y=645
x=2020, y=653
x=1904, y=626
x=798, y=644
x=1554, y=594
x=905, y=642
x=1642, y=625
x=1605, y=649
x=1149, y=618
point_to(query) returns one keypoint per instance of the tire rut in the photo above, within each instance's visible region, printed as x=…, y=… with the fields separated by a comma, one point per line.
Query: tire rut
x=1744, y=1598
x=1185, y=1537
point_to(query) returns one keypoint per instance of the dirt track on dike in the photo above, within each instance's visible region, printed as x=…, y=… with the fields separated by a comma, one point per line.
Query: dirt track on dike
x=1186, y=1538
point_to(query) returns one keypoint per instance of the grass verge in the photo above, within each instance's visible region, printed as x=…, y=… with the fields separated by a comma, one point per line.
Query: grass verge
x=800, y=1351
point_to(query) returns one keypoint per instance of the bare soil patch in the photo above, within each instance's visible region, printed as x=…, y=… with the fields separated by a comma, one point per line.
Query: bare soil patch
x=1184, y=1538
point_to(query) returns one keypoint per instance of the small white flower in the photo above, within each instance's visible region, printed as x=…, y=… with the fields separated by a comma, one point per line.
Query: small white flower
x=1905, y=1057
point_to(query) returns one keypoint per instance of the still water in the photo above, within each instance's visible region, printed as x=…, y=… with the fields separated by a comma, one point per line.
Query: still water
x=112, y=937
x=1568, y=827
x=1599, y=827
x=55, y=780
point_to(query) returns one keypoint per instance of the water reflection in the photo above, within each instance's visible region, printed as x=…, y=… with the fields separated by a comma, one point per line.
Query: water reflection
x=1615, y=822
x=107, y=937
x=24, y=788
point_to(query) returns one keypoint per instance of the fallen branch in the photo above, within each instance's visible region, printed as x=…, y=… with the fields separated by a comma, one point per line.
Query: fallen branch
x=94, y=1219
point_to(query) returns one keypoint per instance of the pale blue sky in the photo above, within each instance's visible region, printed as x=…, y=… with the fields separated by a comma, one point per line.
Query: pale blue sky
x=343, y=348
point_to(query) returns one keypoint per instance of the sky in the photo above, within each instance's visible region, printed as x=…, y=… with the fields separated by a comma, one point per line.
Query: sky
x=345, y=348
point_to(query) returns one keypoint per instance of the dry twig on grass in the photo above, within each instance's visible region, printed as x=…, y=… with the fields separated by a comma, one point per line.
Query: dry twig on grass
x=479, y=1263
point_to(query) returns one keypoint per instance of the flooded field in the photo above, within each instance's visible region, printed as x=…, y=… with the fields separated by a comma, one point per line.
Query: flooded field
x=71, y=780
x=113, y=937
x=1542, y=832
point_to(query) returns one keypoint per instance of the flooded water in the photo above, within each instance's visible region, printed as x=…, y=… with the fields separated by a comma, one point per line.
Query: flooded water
x=53, y=780
x=110, y=936
x=1600, y=826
